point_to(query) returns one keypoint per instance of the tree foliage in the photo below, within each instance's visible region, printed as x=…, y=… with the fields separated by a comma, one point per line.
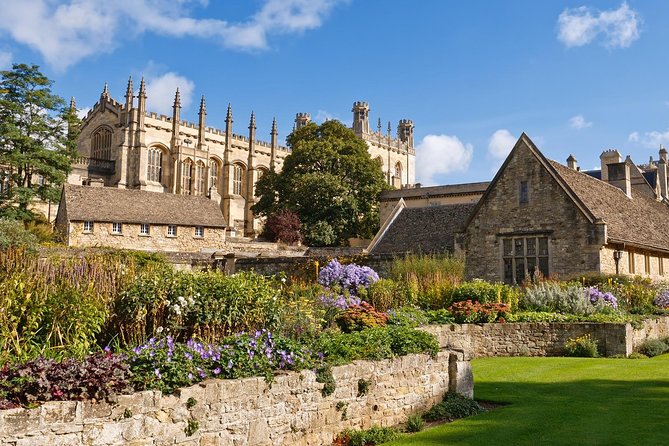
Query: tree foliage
x=37, y=139
x=330, y=181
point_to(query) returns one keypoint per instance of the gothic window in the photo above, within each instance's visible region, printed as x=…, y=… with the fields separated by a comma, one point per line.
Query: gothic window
x=523, y=193
x=187, y=177
x=261, y=173
x=154, y=165
x=238, y=179
x=101, y=142
x=213, y=174
x=398, y=170
x=522, y=257
x=200, y=178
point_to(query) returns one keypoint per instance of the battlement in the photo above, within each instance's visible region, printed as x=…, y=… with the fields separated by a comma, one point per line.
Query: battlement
x=406, y=122
x=303, y=116
x=360, y=104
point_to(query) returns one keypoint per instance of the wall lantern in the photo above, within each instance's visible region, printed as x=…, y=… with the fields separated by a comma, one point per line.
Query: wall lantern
x=617, y=255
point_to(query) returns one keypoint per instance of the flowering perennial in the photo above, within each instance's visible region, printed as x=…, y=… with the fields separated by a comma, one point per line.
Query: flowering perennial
x=596, y=296
x=662, y=299
x=347, y=277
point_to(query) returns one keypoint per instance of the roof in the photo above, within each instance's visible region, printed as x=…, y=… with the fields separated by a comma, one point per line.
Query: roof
x=641, y=220
x=432, y=191
x=424, y=229
x=109, y=204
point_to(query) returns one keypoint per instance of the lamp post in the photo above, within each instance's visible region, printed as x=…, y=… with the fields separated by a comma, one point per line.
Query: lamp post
x=617, y=255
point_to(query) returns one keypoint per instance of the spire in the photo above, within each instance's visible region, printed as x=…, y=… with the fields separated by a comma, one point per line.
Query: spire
x=389, y=129
x=252, y=124
x=273, y=145
x=142, y=89
x=228, y=116
x=378, y=125
x=177, y=99
x=73, y=105
x=203, y=108
x=201, y=125
x=105, y=92
x=128, y=95
x=141, y=102
x=274, y=132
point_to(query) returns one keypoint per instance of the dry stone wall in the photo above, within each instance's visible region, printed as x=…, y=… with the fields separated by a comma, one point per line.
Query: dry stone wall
x=291, y=411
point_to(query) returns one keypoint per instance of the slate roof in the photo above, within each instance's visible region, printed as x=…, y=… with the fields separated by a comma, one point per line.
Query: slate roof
x=109, y=204
x=424, y=229
x=641, y=220
x=433, y=191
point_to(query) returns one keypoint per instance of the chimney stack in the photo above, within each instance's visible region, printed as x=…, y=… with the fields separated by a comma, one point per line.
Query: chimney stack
x=619, y=175
x=611, y=156
x=572, y=163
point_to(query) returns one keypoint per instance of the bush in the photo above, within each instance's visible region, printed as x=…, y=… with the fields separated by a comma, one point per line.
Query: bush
x=468, y=312
x=284, y=227
x=453, y=406
x=415, y=424
x=408, y=316
x=441, y=316
x=485, y=292
x=555, y=297
x=346, y=278
x=582, y=346
x=385, y=294
x=301, y=314
x=359, y=317
x=98, y=376
x=13, y=234
x=653, y=347
x=368, y=437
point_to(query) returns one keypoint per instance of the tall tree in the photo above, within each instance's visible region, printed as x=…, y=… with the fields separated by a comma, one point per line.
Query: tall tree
x=37, y=134
x=330, y=181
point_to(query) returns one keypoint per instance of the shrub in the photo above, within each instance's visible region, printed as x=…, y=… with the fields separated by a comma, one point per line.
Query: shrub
x=385, y=294
x=98, y=376
x=582, y=346
x=13, y=234
x=359, y=317
x=301, y=315
x=468, y=312
x=485, y=292
x=553, y=297
x=653, y=347
x=441, y=316
x=453, y=406
x=347, y=278
x=368, y=437
x=409, y=316
x=415, y=423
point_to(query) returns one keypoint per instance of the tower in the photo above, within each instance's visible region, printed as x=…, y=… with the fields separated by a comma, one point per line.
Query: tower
x=360, y=118
x=405, y=132
x=302, y=119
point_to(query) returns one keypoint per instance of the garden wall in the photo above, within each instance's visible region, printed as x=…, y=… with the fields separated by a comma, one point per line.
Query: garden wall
x=544, y=339
x=291, y=411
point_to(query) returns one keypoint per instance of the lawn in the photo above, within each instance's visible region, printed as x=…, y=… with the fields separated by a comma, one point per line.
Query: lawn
x=563, y=401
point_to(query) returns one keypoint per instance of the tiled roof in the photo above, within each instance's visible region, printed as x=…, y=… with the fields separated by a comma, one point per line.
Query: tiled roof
x=431, y=191
x=109, y=204
x=424, y=229
x=640, y=220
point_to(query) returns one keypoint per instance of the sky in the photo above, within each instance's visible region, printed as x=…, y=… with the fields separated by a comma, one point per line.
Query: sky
x=578, y=77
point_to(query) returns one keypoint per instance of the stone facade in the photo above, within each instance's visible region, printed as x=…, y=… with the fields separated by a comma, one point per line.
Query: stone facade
x=130, y=147
x=291, y=411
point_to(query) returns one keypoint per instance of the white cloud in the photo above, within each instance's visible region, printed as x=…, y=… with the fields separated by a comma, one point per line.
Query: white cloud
x=161, y=89
x=651, y=139
x=441, y=154
x=5, y=60
x=616, y=28
x=82, y=112
x=633, y=137
x=578, y=122
x=500, y=144
x=66, y=31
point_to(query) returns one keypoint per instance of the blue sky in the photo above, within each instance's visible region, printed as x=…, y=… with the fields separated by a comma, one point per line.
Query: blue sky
x=577, y=76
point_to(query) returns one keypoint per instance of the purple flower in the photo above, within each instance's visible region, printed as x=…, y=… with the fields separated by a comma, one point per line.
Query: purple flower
x=217, y=371
x=157, y=373
x=349, y=277
x=662, y=299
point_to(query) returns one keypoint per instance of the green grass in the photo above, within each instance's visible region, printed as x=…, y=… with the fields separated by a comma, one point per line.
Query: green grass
x=563, y=401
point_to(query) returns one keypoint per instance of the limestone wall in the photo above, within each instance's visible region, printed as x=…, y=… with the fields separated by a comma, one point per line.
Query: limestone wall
x=652, y=329
x=291, y=411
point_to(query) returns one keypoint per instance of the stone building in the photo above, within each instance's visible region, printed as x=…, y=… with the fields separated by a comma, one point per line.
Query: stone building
x=135, y=219
x=539, y=215
x=129, y=147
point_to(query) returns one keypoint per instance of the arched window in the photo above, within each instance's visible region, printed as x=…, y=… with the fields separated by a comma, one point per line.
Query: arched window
x=398, y=170
x=200, y=178
x=213, y=174
x=101, y=142
x=238, y=179
x=154, y=165
x=261, y=172
x=187, y=177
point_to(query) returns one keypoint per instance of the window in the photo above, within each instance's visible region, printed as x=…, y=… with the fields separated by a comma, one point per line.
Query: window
x=144, y=229
x=630, y=259
x=187, y=177
x=101, y=142
x=40, y=180
x=154, y=165
x=213, y=174
x=660, y=266
x=171, y=230
x=238, y=179
x=199, y=231
x=646, y=263
x=200, y=178
x=523, y=256
x=88, y=226
x=117, y=228
x=523, y=193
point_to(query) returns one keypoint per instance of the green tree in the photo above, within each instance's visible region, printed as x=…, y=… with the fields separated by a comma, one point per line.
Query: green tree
x=37, y=140
x=330, y=181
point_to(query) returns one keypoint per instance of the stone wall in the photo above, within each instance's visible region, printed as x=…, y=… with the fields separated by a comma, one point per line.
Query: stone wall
x=291, y=411
x=544, y=339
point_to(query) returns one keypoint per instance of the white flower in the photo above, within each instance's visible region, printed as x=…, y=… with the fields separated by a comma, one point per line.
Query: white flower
x=159, y=330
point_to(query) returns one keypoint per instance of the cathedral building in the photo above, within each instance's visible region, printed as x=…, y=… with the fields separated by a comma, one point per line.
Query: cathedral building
x=129, y=147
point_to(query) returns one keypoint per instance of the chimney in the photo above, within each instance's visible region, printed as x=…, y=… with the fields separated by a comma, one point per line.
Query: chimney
x=619, y=175
x=572, y=163
x=663, y=153
x=662, y=177
x=611, y=156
